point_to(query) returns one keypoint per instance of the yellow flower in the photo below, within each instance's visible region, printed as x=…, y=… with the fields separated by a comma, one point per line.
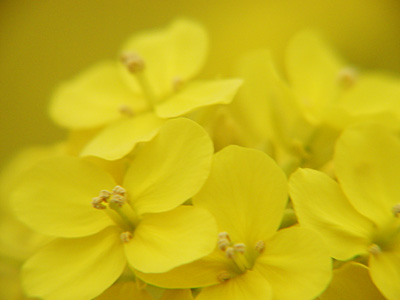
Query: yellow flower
x=247, y=194
x=139, y=221
x=297, y=121
x=153, y=82
x=359, y=214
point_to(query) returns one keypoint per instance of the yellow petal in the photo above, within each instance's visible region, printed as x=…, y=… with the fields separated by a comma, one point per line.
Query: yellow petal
x=351, y=282
x=246, y=192
x=177, y=295
x=264, y=106
x=373, y=94
x=94, y=98
x=124, y=291
x=166, y=240
x=78, y=269
x=171, y=168
x=55, y=197
x=296, y=264
x=313, y=71
x=203, y=272
x=385, y=273
x=120, y=138
x=198, y=94
x=248, y=286
x=321, y=205
x=177, y=52
x=367, y=164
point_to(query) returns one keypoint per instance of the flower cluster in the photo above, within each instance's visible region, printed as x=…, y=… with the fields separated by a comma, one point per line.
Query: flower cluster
x=257, y=187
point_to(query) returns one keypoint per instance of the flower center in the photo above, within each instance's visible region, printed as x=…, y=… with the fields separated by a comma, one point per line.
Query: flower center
x=347, y=77
x=238, y=253
x=388, y=237
x=116, y=205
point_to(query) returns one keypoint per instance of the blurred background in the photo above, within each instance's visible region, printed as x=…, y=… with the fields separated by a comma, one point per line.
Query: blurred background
x=43, y=42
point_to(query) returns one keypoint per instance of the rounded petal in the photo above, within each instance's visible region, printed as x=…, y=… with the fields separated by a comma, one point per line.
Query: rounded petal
x=351, y=282
x=296, y=264
x=321, y=205
x=385, y=273
x=171, y=168
x=203, y=272
x=166, y=240
x=248, y=286
x=94, y=98
x=367, y=164
x=177, y=52
x=198, y=94
x=55, y=197
x=246, y=192
x=124, y=291
x=120, y=138
x=313, y=71
x=78, y=269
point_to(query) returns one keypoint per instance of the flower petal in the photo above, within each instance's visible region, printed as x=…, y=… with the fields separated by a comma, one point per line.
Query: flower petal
x=248, y=286
x=78, y=269
x=351, y=282
x=198, y=94
x=55, y=197
x=246, y=192
x=120, y=138
x=171, y=168
x=177, y=52
x=125, y=290
x=94, y=98
x=203, y=272
x=166, y=240
x=321, y=205
x=367, y=164
x=177, y=295
x=313, y=71
x=385, y=273
x=296, y=264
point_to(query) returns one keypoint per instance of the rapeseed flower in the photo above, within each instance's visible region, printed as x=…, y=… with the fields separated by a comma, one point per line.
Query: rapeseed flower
x=151, y=83
x=247, y=194
x=357, y=216
x=140, y=221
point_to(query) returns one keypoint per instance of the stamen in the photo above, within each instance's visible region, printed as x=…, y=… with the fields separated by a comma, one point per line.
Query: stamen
x=224, y=276
x=223, y=241
x=396, y=210
x=118, y=196
x=347, y=77
x=260, y=246
x=230, y=252
x=133, y=62
x=374, y=249
x=126, y=110
x=240, y=248
x=97, y=203
x=224, y=234
x=126, y=236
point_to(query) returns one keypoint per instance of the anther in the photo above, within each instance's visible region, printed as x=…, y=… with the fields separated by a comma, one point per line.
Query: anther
x=374, y=249
x=126, y=236
x=259, y=246
x=133, y=62
x=117, y=199
x=347, y=77
x=223, y=235
x=126, y=110
x=240, y=248
x=396, y=210
x=230, y=252
x=97, y=203
x=119, y=190
x=104, y=194
x=224, y=276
